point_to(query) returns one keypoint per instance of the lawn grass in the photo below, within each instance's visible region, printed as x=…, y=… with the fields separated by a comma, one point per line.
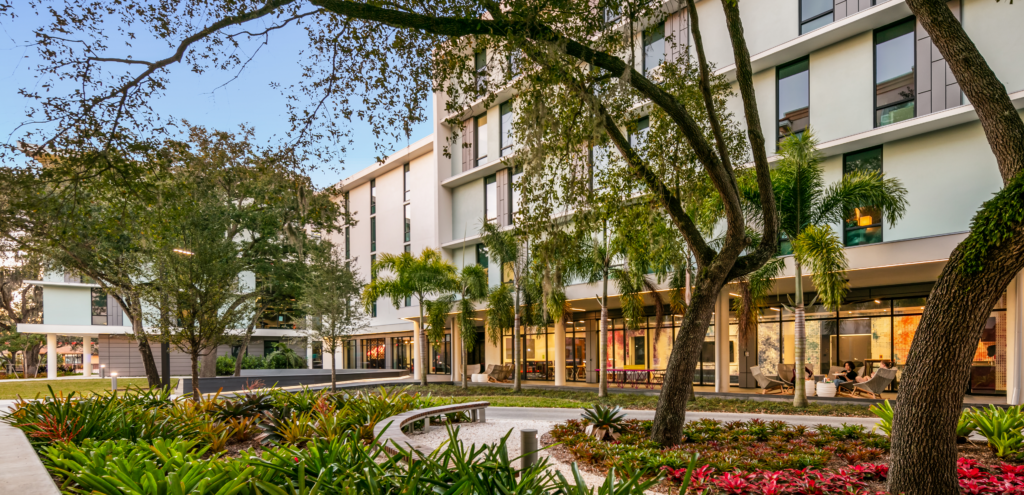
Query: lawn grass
x=505, y=397
x=30, y=389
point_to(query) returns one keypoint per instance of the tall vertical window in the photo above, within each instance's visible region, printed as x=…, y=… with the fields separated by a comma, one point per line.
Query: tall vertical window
x=794, y=98
x=481, y=140
x=407, y=180
x=481, y=257
x=654, y=46
x=480, y=65
x=348, y=244
x=864, y=225
x=643, y=124
x=894, y=73
x=373, y=307
x=408, y=248
x=408, y=222
x=611, y=15
x=373, y=196
x=513, y=190
x=99, y=307
x=491, y=198
x=373, y=234
x=506, y=128
x=815, y=14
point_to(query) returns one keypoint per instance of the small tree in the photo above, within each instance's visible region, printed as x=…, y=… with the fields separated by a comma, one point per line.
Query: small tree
x=330, y=296
x=410, y=276
x=513, y=260
x=806, y=209
x=472, y=283
x=20, y=303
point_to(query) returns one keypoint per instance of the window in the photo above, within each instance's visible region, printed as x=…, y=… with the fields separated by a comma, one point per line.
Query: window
x=864, y=226
x=373, y=196
x=794, y=98
x=815, y=14
x=481, y=140
x=491, y=198
x=654, y=47
x=407, y=180
x=480, y=65
x=894, y=73
x=99, y=307
x=348, y=244
x=373, y=307
x=481, y=257
x=373, y=234
x=600, y=157
x=611, y=15
x=513, y=192
x=408, y=222
x=506, y=128
x=408, y=248
x=643, y=124
x=408, y=301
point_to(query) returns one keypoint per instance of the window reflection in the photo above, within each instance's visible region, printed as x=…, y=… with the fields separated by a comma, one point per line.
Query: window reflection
x=815, y=14
x=794, y=98
x=894, y=73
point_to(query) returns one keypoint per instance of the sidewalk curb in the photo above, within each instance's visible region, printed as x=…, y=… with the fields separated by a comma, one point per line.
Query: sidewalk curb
x=23, y=471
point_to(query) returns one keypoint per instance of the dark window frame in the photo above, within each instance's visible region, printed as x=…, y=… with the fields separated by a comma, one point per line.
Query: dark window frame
x=513, y=172
x=643, y=47
x=481, y=71
x=406, y=182
x=476, y=140
x=802, y=22
x=373, y=196
x=490, y=179
x=501, y=128
x=98, y=313
x=373, y=234
x=874, y=71
x=407, y=221
x=778, y=70
x=879, y=223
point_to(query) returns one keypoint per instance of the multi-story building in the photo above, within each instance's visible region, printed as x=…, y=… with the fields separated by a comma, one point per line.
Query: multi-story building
x=863, y=74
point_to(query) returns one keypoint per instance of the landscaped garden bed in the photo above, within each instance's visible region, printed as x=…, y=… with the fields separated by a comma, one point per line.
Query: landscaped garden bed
x=768, y=458
x=261, y=442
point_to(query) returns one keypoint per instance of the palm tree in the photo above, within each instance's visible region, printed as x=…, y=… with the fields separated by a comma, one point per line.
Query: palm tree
x=472, y=287
x=595, y=264
x=513, y=258
x=807, y=209
x=410, y=276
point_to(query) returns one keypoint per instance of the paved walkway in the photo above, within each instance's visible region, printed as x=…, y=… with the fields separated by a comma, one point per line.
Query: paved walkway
x=21, y=471
x=558, y=415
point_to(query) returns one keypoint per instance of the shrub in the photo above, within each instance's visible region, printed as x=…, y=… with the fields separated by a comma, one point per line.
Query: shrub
x=603, y=421
x=225, y=366
x=1001, y=427
x=254, y=363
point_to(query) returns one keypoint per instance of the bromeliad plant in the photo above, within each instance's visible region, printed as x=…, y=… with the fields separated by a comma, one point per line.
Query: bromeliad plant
x=604, y=421
x=1001, y=427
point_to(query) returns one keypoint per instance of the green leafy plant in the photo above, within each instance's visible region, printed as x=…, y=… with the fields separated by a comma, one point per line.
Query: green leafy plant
x=603, y=421
x=884, y=412
x=1001, y=427
x=964, y=427
x=225, y=366
x=284, y=357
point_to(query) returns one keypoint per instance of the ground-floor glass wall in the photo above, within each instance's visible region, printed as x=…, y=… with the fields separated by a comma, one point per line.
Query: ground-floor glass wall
x=373, y=354
x=537, y=352
x=351, y=354
x=441, y=356
x=576, y=351
x=402, y=353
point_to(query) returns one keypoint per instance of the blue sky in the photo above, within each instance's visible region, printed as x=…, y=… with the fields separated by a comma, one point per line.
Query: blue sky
x=248, y=100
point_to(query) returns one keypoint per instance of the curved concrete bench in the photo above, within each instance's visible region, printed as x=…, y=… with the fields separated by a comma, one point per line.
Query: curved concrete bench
x=390, y=435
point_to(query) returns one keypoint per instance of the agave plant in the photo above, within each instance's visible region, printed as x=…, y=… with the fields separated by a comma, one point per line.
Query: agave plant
x=604, y=421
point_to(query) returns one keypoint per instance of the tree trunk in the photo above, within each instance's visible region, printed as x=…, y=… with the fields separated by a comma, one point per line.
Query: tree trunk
x=209, y=366
x=465, y=356
x=334, y=375
x=31, y=360
x=923, y=436
x=799, y=344
x=423, y=348
x=686, y=297
x=670, y=416
x=517, y=382
x=602, y=354
x=134, y=312
x=194, y=356
x=243, y=349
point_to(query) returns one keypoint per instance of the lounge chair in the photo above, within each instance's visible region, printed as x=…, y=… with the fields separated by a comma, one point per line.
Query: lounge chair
x=472, y=369
x=874, y=386
x=769, y=384
x=786, y=373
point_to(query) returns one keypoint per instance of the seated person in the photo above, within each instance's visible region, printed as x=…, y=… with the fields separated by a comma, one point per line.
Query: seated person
x=883, y=365
x=849, y=374
x=808, y=373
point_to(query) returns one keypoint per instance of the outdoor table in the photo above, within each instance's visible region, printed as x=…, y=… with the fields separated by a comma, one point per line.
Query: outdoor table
x=635, y=377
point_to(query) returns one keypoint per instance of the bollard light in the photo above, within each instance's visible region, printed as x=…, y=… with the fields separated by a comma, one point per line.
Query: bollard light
x=528, y=447
x=113, y=381
x=103, y=371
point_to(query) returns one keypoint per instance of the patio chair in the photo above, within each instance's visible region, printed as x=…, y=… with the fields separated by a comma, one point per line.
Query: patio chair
x=494, y=372
x=786, y=373
x=472, y=369
x=874, y=386
x=769, y=384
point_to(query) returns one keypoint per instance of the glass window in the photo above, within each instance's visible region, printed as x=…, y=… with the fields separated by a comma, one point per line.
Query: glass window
x=643, y=124
x=491, y=198
x=402, y=353
x=373, y=196
x=408, y=248
x=408, y=222
x=513, y=190
x=506, y=128
x=480, y=65
x=794, y=98
x=373, y=234
x=351, y=354
x=815, y=14
x=99, y=307
x=407, y=179
x=373, y=354
x=481, y=140
x=894, y=73
x=864, y=225
x=348, y=245
x=440, y=356
x=654, y=47
x=610, y=15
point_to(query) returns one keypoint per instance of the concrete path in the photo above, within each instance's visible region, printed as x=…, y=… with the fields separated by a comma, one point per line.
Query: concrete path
x=21, y=471
x=550, y=414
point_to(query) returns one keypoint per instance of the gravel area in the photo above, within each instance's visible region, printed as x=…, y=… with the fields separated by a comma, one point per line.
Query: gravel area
x=493, y=430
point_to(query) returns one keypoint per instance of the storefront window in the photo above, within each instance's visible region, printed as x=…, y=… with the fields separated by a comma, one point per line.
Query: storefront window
x=373, y=354
x=440, y=356
x=402, y=353
x=351, y=354
x=575, y=351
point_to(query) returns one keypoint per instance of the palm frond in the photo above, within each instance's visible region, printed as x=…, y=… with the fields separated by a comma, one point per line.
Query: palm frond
x=821, y=251
x=500, y=312
x=437, y=316
x=859, y=190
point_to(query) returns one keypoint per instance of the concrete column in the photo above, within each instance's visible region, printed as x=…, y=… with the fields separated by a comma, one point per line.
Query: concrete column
x=51, y=355
x=309, y=353
x=1015, y=341
x=87, y=355
x=418, y=369
x=456, y=352
x=559, y=353
x=722, y=342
